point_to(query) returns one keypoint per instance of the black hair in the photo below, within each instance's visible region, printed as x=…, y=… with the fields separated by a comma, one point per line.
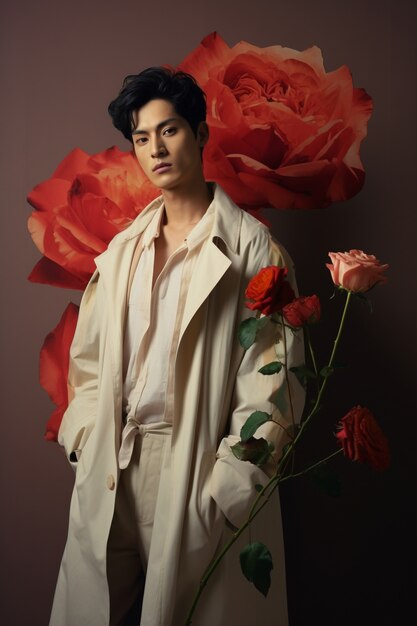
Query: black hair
x=179, y=88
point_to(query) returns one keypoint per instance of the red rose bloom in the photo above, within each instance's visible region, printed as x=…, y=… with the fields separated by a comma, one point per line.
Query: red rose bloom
x=268, y=291
x=53, y=367
x=284, y=132
x=86, y=202
x=304, y=310
x=362, y=439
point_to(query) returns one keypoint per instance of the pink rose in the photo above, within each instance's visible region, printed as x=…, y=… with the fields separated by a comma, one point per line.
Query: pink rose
x=356, y=271
x=284, y=132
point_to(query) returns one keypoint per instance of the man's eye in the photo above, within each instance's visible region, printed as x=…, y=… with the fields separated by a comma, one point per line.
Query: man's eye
x=170, y=131
x=141, y=140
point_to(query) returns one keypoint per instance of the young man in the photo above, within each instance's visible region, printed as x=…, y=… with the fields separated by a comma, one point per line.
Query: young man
x=161, y=389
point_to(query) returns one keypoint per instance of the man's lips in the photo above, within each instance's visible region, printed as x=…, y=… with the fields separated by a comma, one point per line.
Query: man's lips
x=160, y=166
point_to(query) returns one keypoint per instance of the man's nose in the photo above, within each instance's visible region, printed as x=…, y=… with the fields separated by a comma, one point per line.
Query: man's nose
x=158, y=147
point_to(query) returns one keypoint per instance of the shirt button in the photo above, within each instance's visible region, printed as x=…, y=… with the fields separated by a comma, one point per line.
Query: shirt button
x=110, y=482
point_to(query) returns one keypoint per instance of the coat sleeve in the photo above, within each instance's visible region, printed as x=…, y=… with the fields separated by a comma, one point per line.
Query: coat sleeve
x=79, y=418
x=233, y=481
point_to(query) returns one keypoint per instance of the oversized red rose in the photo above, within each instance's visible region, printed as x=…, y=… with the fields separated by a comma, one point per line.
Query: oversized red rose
x=53, y=367
x=87, y=201
x=304, y=310
x=284, y=132
x=362, y=439
x=268, y=291
x=356, y=271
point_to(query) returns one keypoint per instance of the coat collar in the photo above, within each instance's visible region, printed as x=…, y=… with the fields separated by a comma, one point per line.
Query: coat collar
x=226, y=226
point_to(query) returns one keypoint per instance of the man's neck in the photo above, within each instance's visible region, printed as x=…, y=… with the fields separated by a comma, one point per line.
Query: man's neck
x=187, y=207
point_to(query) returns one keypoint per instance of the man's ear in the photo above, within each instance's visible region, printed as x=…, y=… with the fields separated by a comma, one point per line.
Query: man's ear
x=202, y=134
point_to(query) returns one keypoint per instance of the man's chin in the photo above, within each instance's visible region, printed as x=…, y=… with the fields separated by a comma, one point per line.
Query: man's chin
x=167, y=185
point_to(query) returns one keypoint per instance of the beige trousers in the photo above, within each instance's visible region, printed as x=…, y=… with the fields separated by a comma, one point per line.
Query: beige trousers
x=131, y=531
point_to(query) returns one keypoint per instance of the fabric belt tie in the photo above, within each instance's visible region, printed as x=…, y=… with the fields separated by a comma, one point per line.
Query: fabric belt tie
x=129, y=434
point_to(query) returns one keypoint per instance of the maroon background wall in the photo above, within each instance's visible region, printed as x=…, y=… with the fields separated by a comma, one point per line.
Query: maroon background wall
x=350, y=560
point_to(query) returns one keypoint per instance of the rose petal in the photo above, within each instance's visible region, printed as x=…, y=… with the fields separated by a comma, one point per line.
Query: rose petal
x=53, y=367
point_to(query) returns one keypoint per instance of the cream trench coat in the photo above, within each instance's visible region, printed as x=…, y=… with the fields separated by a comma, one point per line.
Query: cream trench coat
x=214, y=389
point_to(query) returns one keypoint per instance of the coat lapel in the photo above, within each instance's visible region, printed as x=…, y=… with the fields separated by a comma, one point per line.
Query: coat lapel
x=114, y=267
x=211, y=265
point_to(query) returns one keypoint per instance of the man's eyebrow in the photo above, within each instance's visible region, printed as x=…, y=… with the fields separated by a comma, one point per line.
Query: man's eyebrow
x=145, y=132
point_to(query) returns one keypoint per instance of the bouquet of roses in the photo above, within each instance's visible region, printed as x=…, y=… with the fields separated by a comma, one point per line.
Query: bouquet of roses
x=358, y=435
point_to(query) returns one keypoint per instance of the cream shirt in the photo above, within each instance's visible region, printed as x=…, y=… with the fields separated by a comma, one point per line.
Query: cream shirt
x=153, y=325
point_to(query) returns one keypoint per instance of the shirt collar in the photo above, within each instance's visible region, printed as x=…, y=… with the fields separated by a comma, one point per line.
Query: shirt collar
x=153, y=228
x=199, y=232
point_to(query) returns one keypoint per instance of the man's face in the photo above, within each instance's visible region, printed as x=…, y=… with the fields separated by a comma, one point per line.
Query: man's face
x=166, y=147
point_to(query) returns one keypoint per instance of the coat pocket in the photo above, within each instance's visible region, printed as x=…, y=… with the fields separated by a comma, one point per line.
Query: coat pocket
x=233, y=483
x=207, y=509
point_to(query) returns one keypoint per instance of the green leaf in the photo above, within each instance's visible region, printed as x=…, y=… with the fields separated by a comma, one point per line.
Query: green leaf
x=271, y=368
x=254, y=421
x=327, y=480
x=258, y=488
x=256, y=564
x=303, y=374
x=247, y=332
x=256, y=451
x=326, y=371
x=262, y=321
